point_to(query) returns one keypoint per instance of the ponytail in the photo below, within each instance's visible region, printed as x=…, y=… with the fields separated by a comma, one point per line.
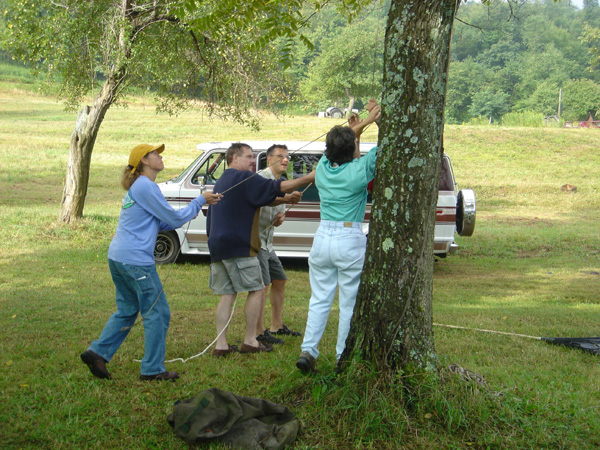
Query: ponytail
x=128, y=178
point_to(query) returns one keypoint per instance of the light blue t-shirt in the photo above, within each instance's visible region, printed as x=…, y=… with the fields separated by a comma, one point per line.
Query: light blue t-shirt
x=144, y=213
x=343, y=189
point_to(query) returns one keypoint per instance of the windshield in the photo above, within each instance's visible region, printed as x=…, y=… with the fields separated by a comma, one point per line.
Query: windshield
x=183, y=174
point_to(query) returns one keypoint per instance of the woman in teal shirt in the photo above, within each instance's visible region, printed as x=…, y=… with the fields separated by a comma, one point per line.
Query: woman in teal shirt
x=338, y=252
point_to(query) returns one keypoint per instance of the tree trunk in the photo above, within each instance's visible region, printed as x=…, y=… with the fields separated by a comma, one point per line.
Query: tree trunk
x=81, y=146
x=392, y=323
x=351, y=99
x=89, y=120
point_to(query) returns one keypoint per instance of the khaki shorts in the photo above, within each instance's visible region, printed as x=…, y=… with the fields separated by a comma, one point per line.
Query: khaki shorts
x=234, y=275
x=271, y=266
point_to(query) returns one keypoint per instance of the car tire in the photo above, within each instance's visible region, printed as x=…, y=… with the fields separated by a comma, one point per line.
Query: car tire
x=167, y=247
x=466, y=209
x=336, y=113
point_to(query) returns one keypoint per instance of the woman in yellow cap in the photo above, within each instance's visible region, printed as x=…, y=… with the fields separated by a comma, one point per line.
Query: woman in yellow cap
x=144, y=213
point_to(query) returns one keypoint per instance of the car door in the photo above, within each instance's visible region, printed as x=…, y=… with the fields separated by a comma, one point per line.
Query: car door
x=201, y=180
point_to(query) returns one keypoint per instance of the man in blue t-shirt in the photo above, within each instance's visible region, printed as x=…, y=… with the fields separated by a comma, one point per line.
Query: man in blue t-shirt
x=234, y=241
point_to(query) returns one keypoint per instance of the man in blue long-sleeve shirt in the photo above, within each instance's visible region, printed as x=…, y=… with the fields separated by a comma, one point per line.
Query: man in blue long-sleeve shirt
x=234, y=241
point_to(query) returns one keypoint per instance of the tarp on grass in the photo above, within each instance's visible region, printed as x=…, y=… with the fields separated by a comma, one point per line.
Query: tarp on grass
x=241, y=422
x=588, y=344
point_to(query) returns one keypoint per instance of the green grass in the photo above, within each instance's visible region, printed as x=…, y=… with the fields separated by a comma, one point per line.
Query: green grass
x=528, y=269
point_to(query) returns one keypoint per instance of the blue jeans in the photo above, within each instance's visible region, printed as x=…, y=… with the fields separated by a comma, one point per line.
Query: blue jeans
x=336, y=259
x=137, y=288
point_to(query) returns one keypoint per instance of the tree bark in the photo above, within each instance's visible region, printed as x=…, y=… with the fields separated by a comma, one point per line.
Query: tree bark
x=81, y=146
x=89, y=120
x=392, y=323
x=351, y=99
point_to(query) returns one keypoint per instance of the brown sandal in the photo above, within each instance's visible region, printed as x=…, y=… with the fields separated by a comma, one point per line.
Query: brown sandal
x=230, y=349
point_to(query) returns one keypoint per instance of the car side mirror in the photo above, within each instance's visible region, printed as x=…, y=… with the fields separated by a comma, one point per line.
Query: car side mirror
x=200, y=182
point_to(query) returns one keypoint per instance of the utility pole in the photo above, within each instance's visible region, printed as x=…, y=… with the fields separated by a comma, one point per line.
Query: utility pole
x=559, y=101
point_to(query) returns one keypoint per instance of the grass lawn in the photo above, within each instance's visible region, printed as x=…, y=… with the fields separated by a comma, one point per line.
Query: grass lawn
x=532, y=267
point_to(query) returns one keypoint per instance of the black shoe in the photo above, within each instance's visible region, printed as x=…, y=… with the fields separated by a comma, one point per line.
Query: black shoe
x=268, y=338
x=306, y=363
x=165, y=376
x=96, y=364
x=285, y=331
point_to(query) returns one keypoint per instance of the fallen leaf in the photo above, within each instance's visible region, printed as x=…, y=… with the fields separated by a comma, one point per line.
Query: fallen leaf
x=13, y=316
x=9, y=363
x=428, y=416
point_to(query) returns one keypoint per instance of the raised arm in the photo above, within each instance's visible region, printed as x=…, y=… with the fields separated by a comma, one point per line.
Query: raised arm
x=294, y=197
x=293, y=185
x=358, y=126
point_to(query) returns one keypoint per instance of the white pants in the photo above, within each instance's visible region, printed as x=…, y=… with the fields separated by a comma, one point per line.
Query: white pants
x=336, y=258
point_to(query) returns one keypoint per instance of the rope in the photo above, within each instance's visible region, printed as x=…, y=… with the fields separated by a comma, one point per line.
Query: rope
x=468, y=376
x=230, y=317
x=488, y=331
x=209, y=345
x=291, y=206
x=163, y=282
x=375, y=49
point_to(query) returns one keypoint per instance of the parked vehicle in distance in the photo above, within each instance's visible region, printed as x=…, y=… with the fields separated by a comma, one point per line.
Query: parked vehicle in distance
x=334, y=112
x=455, y=213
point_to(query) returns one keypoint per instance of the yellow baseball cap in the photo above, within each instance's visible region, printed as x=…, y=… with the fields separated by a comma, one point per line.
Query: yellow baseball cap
x=139, y=151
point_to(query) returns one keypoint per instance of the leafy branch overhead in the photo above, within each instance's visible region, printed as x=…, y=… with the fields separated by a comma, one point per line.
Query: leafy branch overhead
x=222, y=52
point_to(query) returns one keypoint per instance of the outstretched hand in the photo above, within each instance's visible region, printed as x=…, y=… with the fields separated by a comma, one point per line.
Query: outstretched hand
x=372, y=103
x=357, y=125
x=212, y=198
x=354, y=119
x=374, y=111
x=294, y=197
x=278, y=219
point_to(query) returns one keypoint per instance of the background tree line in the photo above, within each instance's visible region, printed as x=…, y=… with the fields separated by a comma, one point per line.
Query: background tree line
x=506, y=58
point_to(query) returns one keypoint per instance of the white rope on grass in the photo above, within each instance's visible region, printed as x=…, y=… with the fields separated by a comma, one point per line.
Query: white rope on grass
x=209, y=345
x=488, y=331
x=222, y=331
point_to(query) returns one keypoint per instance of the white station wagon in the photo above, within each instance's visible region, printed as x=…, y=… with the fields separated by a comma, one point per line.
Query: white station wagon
x=455, y=209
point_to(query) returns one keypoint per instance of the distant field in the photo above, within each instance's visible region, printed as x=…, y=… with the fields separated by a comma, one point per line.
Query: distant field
x=532, y=267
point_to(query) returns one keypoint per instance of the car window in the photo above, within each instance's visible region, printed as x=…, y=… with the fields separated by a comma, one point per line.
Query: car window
x=446, y=182
x=211, y=169
x=183, y=175
x=302, y=164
